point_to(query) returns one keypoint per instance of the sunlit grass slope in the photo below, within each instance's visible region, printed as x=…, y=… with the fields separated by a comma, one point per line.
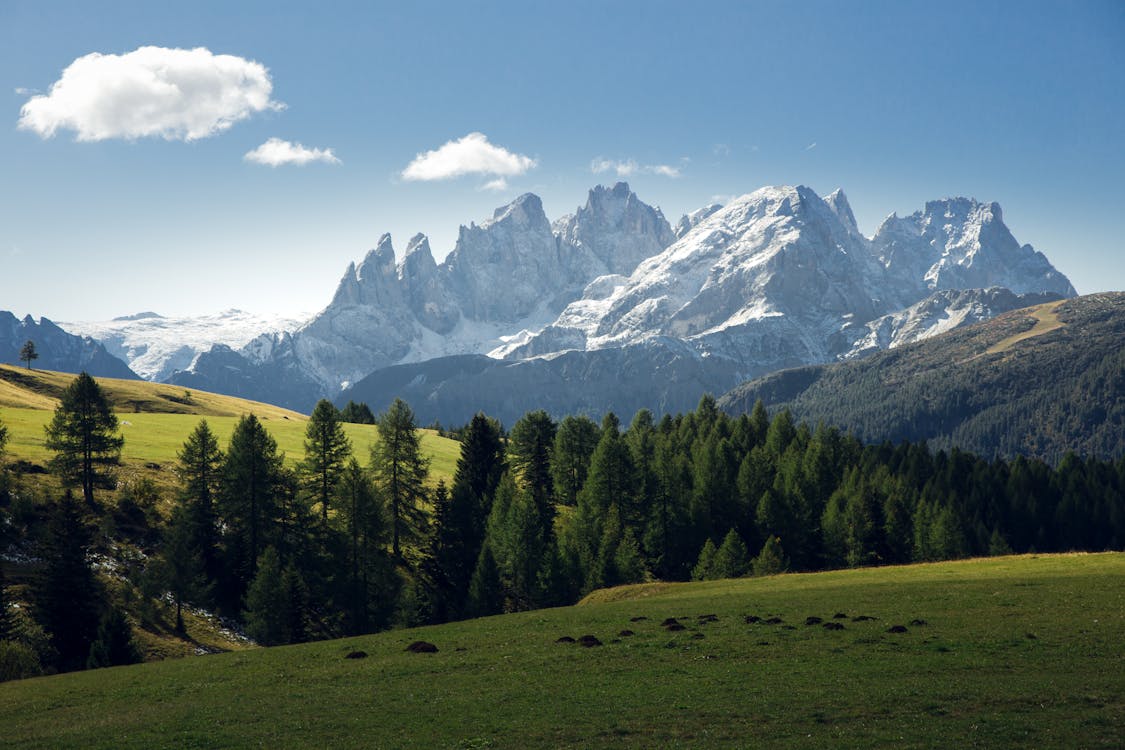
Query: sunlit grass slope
x=1015, y=652
x=156, y=419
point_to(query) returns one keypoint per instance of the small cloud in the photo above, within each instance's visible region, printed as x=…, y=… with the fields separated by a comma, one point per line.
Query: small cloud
x=630, y=167
x=720, y=149
x=175, y=94
x=472, y=154
x=499, y=184
x=811, y=146
x=276, y=152
x=21, y=91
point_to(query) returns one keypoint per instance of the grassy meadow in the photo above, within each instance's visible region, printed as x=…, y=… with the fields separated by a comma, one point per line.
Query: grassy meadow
x=1014, y=652
x=156, y=419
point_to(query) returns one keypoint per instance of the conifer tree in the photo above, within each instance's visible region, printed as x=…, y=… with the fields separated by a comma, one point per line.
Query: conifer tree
x=252, y=475
x=609, y=483
x=326, y=452
x=771, y=560
x=181, y=567
x=28, y=353
x=365, y=527
x=7, y=624
x=627, y=560
x=201, y=463
x=575, y=441
x=267, y=615
x=704, y=566
x=82, y=435
x=732, y=559
x=400, y=472
x=67, y=596
x=114, y=644
x=529, y=457
x=486, y=595
x=296, y=596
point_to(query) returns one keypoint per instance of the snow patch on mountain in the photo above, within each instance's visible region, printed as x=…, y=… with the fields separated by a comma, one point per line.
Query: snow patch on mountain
x=155, y=346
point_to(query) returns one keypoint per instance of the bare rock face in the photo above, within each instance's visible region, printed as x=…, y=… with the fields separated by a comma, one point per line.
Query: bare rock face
x=777, y=278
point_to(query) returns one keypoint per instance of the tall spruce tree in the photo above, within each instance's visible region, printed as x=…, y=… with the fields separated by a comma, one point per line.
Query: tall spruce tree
x=326, y=452
x=67, y=596
x=462, y=530
x=400, y=472
x=201, y=463
x=529, y=456
x=365, y=526
x=252, y=475
x=575, y=441
x=82, y=434
x=267, y=615
x=114, y=644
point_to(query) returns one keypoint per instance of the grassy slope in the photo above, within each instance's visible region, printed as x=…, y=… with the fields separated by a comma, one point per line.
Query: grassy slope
x=1017, y=652
x=155, y=433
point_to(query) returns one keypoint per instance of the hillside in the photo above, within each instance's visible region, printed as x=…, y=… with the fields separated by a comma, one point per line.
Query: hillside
x=155, y=420
x=1037, y=382
x=1006, y=652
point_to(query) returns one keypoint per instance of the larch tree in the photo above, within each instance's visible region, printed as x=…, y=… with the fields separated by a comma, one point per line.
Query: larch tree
x=201, y=463
x=326, y=453
x=252, y=475
x=28, y=353
x=400, y=472
x=83, y=436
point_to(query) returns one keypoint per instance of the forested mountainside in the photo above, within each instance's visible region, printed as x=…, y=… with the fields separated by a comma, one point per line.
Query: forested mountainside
x=1036, y=382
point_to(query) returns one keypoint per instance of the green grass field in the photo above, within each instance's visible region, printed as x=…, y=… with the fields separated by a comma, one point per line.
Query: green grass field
x=1016, y=652
x=166, y=417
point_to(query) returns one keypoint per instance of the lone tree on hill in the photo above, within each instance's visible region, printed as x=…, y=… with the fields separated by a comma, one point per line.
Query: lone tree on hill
x=28, y=353
x=83, y=436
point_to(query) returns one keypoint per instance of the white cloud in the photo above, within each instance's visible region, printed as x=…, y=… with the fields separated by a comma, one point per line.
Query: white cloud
x=630, y=167
x=811, y=146
x=472, y=154
x=498, y=185
x=176, y=94
x=276, y=152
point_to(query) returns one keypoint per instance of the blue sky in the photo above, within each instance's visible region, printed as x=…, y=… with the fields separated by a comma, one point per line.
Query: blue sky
x=897, y=103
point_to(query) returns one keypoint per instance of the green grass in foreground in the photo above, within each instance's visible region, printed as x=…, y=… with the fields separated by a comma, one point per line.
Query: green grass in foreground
x=1018, y=652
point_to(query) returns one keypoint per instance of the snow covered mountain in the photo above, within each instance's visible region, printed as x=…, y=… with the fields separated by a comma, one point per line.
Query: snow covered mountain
x=781, y=277
x=505, y=278
x=776, y=278
x=57, y=349
x=155, y=346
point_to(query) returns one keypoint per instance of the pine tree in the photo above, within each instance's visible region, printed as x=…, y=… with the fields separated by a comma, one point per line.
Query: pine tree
x=67, y=596
x=252, y=475
x=266, y=615
x=575, y=441
x=627, y=560
x=400, y=472
x=486, y=594
x=182, y=568
x=296, y=596
x=201, y=463
x=771, y=560
x=83, y=437
x=365, y=526
x=326, y=452
x=704, y=566
x=732, y=559
x=114, y=644
x=610, y=483
x=357, y=413
x=28, y=353
x=529, y=457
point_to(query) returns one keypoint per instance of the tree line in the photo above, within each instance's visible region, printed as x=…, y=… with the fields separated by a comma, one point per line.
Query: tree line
x=536, y=516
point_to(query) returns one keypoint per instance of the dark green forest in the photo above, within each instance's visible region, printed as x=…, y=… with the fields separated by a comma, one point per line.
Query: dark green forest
x=1043, y=397
x=536, y=516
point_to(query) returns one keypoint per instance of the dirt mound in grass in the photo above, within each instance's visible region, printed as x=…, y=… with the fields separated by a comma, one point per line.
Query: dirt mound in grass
x=589, y=640
x=422, y=647
x=896, y=629
x=356, y=655
x=565, y=639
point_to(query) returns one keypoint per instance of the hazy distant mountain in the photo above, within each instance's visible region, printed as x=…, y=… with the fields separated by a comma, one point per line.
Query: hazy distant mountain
x=1037, y=382
x=57, y=349
x=155, y=346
